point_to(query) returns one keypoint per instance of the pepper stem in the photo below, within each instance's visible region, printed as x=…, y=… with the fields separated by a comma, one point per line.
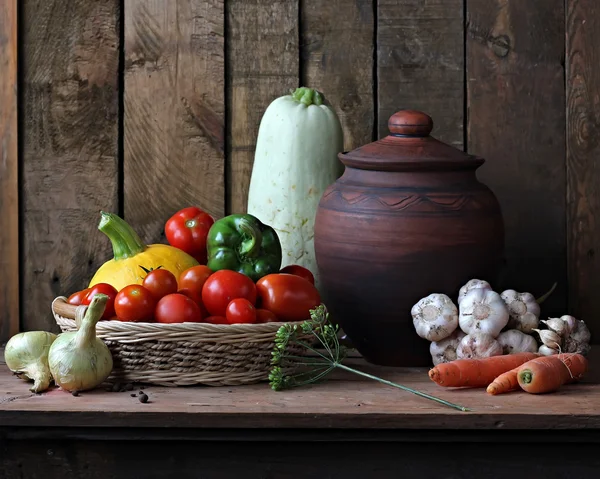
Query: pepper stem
x=251, y=246
x=87, y=330
x=308, y=96
x=125, y=241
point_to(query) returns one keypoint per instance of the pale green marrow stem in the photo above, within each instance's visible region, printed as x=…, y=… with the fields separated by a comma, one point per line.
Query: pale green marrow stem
x=308, y=96
x=125, y=241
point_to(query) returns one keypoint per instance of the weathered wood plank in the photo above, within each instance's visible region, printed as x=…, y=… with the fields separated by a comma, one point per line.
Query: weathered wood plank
x=174, y=111
x=583, y=151
x=70, y=169
x=262, y=43
x=516, y=103
x=420, y=63
x=337, y=58
x=343, y=401
x=9, y=186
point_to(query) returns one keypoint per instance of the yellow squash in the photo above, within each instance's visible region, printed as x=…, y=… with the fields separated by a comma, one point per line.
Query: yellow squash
x=132, y=256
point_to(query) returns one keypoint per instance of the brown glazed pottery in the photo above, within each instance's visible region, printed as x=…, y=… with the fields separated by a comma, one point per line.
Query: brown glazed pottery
x=406, y=219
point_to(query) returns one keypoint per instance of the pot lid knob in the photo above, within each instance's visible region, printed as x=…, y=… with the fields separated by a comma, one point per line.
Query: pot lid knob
x=410, y=123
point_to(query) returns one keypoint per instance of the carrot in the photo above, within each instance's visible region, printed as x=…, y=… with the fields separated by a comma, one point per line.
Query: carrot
x=504, y=383
x=476, y=373
x=548, y=373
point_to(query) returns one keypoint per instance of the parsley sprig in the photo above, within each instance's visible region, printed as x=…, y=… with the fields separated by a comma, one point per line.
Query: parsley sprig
x=292, y=369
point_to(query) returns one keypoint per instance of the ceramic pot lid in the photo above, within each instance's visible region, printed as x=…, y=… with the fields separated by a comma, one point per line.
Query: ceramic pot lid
x=409, y=147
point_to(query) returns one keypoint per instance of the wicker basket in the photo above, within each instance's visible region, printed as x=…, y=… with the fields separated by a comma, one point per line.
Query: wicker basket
x=182, y=354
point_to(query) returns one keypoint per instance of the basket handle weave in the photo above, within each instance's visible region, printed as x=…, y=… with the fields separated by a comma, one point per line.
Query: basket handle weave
x=69, y=311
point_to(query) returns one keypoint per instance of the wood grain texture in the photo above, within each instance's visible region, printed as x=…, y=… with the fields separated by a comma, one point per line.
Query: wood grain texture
x=70, y=80
x=343, y=401
x=9, y=186
x=262, y=43
x=337, y=59
x=516, y=121
x=420, y=63
x=583, y=151
x=174, y=111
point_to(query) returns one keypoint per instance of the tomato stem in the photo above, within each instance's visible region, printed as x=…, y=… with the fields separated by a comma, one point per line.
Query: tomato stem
x=125, y=241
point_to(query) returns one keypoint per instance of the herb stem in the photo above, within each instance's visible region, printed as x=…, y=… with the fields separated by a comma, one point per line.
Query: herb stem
x=390, y=383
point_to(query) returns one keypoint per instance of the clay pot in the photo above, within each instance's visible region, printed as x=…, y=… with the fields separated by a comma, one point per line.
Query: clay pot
x=407, y=218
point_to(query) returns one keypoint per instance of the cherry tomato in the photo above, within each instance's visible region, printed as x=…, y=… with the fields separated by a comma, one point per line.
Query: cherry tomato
x=160, y=282
x=187, y=230
x=265, y=316
x=196, y=297
x=240, y=310
x=108, y=290
x=194, y=278
x=299, y=271
x=216, y=320
x=224, y=286
x=77, y=298
x=177, y=308
x=135, y=303
x=289, y=296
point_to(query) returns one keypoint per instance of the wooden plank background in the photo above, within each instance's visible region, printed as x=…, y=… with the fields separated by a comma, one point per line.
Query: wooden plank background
x=142, y=107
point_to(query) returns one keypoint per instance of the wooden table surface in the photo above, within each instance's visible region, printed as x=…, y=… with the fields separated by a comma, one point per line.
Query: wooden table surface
x=345, y=408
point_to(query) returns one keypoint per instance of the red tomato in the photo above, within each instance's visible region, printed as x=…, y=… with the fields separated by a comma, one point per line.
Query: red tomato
x=224, y=286
x=160, y=282
x=187, y=230
x=196, y=297
x=265, y=316
x=177, y=308
x=108, y=290
x=289, y=296
x=216, y=320
x=135, y=303
x=194, y=278
x=299, y=271
x=240, y=310
x=77, y=298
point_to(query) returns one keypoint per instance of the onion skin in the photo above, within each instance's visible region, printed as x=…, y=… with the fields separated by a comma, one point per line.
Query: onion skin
x=26, y=355
x=80, y=361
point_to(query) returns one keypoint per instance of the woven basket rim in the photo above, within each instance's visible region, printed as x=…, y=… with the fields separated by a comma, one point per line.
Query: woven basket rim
x=166, y=328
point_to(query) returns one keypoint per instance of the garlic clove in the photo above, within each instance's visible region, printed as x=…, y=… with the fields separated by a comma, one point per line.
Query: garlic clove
x=549, y=338
x=557, y=325
x=570, y=322
x=482, y=310
x=472, y=284
x=547, y=351
x=478, y=345
x=435, y=317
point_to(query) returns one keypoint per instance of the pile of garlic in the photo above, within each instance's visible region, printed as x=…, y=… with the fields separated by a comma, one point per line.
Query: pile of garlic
x=486, y=324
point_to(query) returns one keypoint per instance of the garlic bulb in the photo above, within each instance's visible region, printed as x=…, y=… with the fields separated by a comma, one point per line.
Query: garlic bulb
x=478, y=345
x=472, y=284
x=482, y=310
x=435, y=317
x=550, y=338
x=444, y=351
x=560, y=326
x=514, y=341
x=523, y=309
x=26, y=355
x=579, y=340
x=79, y=360
x=546, y=351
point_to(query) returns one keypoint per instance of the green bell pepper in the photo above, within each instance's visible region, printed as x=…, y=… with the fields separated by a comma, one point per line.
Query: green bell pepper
x=244, y=244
